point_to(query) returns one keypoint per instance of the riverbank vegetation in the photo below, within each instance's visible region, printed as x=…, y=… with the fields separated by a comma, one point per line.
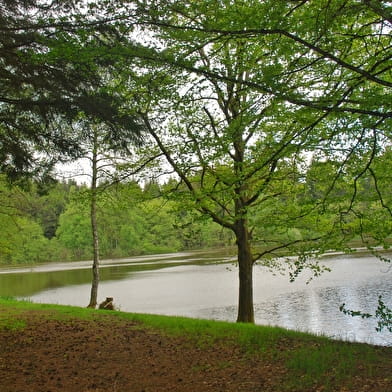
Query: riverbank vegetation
x=51, y=222
x=214, y=356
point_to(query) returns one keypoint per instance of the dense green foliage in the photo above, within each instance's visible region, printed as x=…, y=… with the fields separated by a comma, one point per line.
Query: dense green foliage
x=240, y=97
x=52, y=222
x=51, y=60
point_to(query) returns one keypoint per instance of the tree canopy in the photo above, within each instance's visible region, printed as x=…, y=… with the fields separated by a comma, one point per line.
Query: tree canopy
x=52, y=56
x=242, y=95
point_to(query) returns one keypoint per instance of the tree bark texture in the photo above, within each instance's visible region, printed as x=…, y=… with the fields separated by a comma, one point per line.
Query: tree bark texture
x=95, y=267
x=94, y=227
x=245, y=265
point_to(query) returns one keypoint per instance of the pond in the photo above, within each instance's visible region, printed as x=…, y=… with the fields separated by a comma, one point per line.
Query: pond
x=205, y=285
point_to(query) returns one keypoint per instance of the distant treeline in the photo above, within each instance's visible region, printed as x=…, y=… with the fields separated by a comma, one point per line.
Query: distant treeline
x=51, y=222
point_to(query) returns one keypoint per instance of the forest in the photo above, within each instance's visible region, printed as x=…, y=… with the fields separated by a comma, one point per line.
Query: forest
x=51, y=222
x=263, y=125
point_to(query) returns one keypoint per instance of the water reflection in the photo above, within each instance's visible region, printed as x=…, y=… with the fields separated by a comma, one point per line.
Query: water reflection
x=27, y=281
x=201, y=285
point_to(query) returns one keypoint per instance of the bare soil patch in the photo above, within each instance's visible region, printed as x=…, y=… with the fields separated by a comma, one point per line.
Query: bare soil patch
x=102, y=355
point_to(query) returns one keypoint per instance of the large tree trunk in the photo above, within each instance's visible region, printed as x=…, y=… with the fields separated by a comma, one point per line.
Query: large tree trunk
x=245, y=264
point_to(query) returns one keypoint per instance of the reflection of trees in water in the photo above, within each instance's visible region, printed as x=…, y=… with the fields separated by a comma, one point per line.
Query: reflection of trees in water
x=23, y=284
x=29, y=283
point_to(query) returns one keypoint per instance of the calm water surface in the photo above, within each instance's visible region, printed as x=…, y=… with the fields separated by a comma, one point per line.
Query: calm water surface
x=205, y=285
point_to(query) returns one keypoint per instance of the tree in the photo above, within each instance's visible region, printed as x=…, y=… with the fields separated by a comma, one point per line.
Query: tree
x=101, y=144
x=93, y=216
x=250, y=104
x=22, y=239
x=44, y=201
x=74, y=230
x=234, y=151
x=50, y=63
x=343, y=48
x=52, y=59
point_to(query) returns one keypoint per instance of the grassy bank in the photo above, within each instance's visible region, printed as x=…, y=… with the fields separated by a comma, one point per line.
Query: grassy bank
x=305, y=362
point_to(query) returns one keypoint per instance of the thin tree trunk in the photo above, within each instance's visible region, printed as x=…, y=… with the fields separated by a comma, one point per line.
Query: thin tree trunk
x=245, y=264
x=94, y=227
x=95, y=267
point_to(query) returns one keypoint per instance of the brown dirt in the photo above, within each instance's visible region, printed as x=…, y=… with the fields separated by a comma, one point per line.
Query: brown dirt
x=100, y=355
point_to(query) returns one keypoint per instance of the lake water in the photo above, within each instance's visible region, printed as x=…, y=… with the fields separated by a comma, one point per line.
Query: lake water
x=205, y=285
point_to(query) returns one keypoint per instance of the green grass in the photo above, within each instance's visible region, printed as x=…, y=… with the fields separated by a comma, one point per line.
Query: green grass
x=326, y=364
x=308, y=360
x=11, y=323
